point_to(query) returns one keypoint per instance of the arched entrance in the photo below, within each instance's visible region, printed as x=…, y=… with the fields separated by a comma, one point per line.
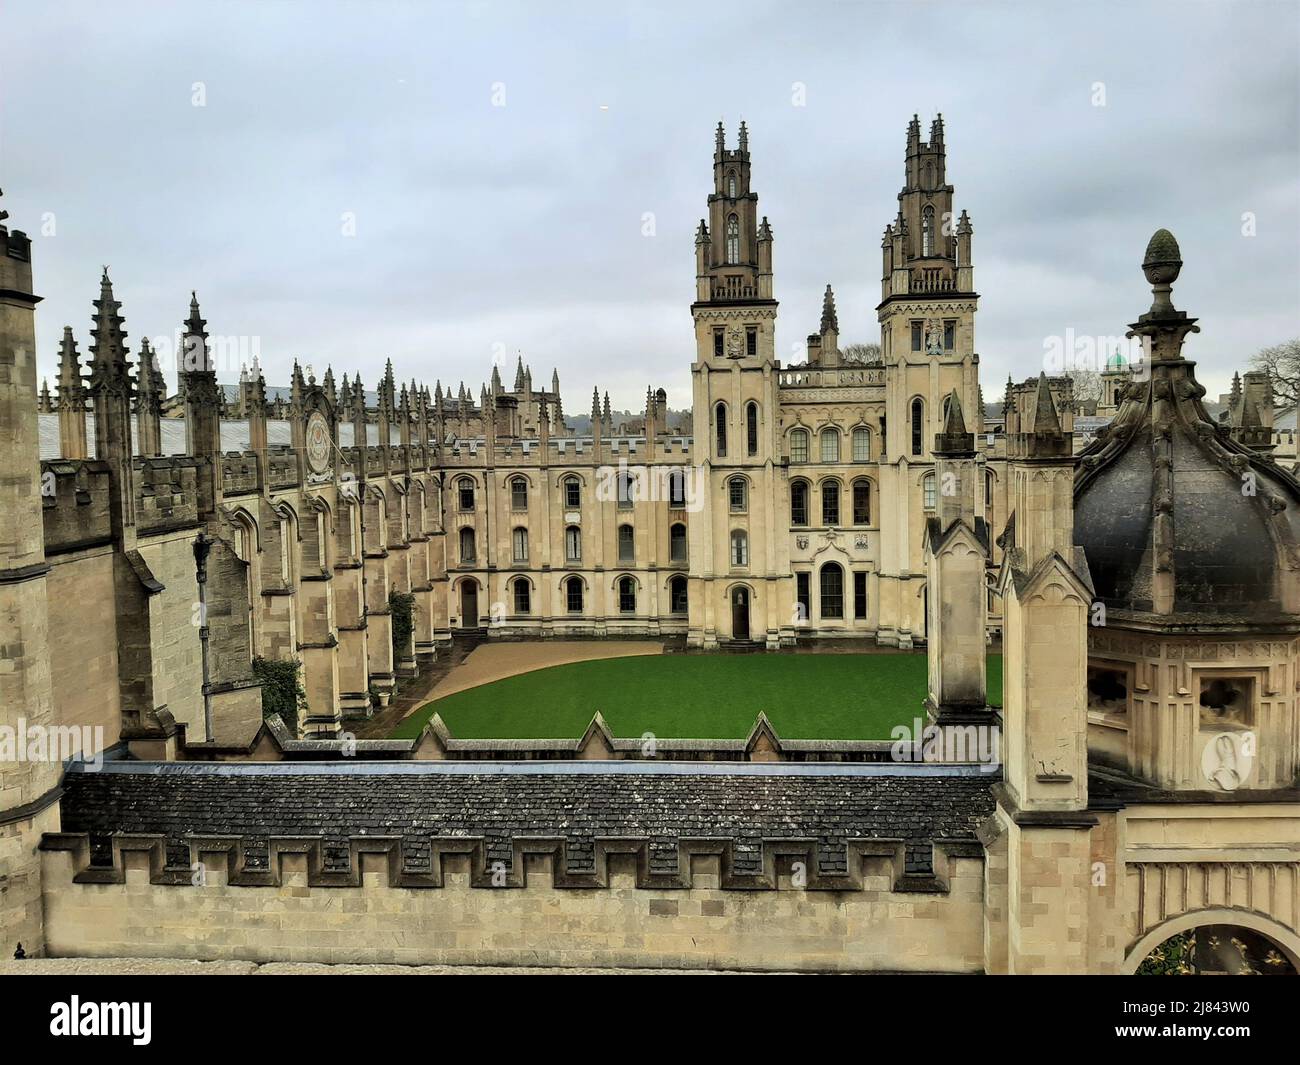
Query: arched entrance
x=740, y=613
x=469, y=604
x=1216, y=942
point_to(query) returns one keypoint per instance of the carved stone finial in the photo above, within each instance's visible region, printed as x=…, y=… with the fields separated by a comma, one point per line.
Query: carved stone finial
x=1161, y=265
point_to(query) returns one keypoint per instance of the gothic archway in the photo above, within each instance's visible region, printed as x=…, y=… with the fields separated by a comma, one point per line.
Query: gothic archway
x=1218, y=942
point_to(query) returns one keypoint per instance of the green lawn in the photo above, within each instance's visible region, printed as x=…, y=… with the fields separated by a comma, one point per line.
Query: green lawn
x=806, y=696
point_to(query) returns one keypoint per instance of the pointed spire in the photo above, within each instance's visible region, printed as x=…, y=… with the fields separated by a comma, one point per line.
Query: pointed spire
x=744, y=137
x=44, y=404
x=829, y=319
x=555, y=382
x=1045, y=419
x=954, y=424
x=519, y=374
x=108, y=364
x=70, y=385
x=607, y=417
x=149, y=378
x=954, y=440
x=719, y=141
x=595, y=405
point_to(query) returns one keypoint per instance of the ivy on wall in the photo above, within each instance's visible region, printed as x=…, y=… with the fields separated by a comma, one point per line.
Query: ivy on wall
x=282, y=690
x=402, y=606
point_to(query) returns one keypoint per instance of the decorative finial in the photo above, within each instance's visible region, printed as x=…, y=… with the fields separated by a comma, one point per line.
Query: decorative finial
x=1161, y=266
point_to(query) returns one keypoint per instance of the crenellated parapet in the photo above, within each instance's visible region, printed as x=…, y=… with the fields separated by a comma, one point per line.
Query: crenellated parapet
x=75, y=505
x=167, y=495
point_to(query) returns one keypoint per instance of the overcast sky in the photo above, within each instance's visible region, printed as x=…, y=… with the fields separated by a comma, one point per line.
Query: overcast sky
x=485, y=230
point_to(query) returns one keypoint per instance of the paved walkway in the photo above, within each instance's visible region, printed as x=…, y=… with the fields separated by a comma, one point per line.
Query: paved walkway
x=496, y=661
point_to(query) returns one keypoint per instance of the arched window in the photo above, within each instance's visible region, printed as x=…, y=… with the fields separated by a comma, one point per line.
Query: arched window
x=626, y=544
x=738, y=495
x=861, y=445
x=830, y=445
x=287, y=538
x=626, y=490
x=677, y=543
x=572, y=492
x=573, y=595
x=518, y=494
x=523, y=596
x=927, y=231
x=466, y=545
x=720, y=428
x=862, y=502
x=465, y=489
x=519, y=543
x=799, y=445
x=918, y=426
x=677, y=598
x=739, y=548
x=731, y=185
x=798, y=502
x=733, y=239
x=751, y=428
x=830, y=502
x=572, y=544
x=626, y=595
x=832, y=590
x=677, y=487
x=927, y=492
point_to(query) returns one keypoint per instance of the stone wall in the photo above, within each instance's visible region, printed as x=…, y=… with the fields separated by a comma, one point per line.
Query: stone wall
x=702, y=926
x=83, y=642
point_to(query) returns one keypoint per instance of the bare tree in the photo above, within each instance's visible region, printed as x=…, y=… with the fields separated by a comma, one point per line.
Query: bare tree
x=1085, y=383
x=1282, y=363
x=866, y=354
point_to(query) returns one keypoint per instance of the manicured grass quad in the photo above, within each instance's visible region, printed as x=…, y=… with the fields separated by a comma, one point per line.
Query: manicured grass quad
x=805, y=696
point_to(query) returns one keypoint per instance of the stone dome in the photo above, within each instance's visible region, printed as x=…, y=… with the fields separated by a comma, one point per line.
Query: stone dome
x=1175, y=516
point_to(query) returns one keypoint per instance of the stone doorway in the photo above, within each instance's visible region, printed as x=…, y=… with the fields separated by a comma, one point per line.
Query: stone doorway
x=740, y=613
x=469, y=604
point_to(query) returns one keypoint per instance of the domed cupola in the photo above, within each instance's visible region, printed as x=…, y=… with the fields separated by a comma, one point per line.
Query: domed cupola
x=1177, y=518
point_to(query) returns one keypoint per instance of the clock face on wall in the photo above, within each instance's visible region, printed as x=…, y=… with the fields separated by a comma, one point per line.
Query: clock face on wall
x=318, y=442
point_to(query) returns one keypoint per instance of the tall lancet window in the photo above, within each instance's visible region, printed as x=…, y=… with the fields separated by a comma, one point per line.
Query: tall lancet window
x=733, y=239
x=731, y=185
x=927, y=231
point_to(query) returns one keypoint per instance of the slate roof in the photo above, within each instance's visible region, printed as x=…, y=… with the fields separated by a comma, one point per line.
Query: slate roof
x=664, y=808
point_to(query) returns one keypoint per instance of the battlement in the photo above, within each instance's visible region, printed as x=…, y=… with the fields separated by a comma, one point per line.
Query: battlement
x=17, y=244
x=75, y=505
x=281, y=467
x=567, y=451
x=16, y=262
x=166, y=493
x=239, y=472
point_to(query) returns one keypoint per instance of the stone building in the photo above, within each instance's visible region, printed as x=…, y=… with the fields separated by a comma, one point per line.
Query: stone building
x=1143, y=776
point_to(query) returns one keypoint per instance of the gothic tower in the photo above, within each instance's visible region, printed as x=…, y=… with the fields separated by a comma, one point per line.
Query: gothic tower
x=927, y=343
x=739, y=587
x=927, y=300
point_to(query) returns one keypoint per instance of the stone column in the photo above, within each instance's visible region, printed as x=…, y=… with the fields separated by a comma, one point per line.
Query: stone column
x=956, y=547
x=28, y=788
x=1043, y=800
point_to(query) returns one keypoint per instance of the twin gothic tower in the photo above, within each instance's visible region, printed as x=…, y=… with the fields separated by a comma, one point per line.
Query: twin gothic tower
x=818, y=474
